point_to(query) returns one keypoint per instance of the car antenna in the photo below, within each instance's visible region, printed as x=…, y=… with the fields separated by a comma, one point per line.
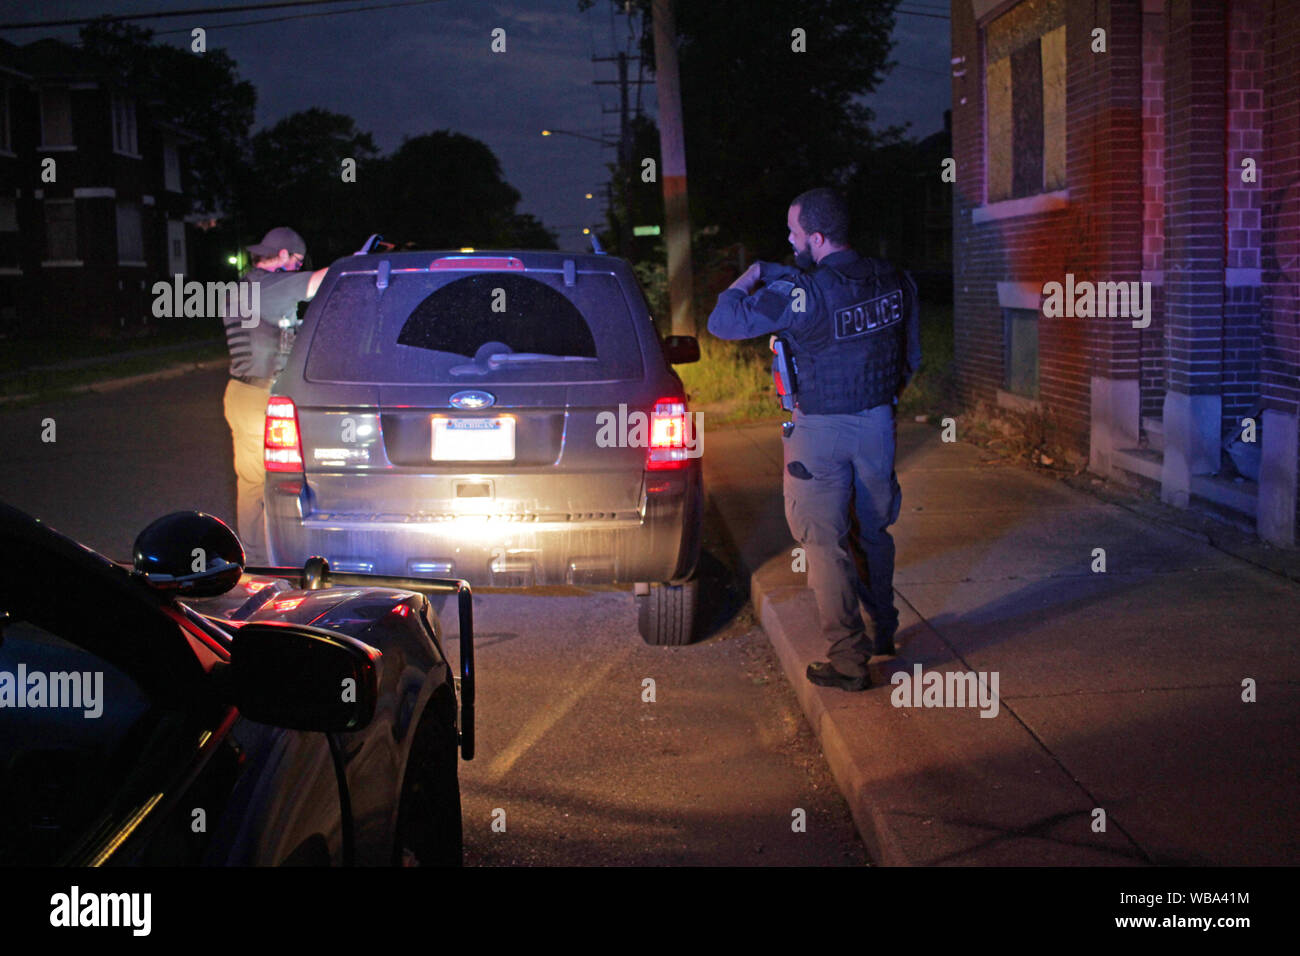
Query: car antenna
x=595, y=245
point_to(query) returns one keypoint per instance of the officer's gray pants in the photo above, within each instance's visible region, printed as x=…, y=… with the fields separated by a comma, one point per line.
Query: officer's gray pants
x=831, y=460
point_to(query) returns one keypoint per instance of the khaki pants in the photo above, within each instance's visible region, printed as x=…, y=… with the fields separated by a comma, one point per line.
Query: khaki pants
x=246, y=414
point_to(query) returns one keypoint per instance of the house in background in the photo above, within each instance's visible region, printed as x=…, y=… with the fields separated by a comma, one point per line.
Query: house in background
x=79, y=255
x=1136, y=141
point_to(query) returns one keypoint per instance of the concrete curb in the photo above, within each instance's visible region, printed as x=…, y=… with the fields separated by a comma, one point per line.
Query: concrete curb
x=848, y=772
x=112, y=384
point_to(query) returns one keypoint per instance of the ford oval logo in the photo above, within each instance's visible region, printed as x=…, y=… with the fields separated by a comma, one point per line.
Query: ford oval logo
x=473, y=399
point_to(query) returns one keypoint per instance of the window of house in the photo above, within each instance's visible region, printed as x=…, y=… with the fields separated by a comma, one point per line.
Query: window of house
x=56, y=117
x=130, y=237
x=1020, y=359
x=60, y=230
x=124, y=138
x=175, y=247
x=171, y=168
x=6, y=136
x=1024, y=83
x=8, y=233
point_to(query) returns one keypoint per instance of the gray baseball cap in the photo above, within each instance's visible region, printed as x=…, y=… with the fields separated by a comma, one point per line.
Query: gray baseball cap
x=281, y=237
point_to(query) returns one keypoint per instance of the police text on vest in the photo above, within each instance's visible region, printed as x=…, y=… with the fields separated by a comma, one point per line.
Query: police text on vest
x=862, y=318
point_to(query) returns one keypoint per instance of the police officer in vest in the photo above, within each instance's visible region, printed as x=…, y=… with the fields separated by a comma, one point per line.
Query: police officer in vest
x=851, y=336
x=258, y=350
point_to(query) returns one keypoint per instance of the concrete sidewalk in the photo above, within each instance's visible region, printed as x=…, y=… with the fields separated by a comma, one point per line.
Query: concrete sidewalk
x=1119, y=691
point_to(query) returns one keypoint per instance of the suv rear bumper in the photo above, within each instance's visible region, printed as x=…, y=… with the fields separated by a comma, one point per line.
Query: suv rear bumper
x=660, y=543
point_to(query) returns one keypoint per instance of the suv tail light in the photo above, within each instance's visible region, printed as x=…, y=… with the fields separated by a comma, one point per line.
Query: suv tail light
x=667, y=435
x=282, y=444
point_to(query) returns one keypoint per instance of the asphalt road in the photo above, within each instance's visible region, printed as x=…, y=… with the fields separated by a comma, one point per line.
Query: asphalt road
x=576, y=764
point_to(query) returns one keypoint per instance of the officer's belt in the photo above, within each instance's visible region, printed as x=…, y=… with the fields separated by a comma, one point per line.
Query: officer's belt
x=253, y=380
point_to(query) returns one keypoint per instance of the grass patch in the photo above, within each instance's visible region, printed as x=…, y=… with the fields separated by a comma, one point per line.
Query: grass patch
x=47, y=383
x=933, y=391
x=732, y=382
x=18, y=354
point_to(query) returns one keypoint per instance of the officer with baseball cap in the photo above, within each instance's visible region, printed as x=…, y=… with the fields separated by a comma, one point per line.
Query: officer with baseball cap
x=259, y=346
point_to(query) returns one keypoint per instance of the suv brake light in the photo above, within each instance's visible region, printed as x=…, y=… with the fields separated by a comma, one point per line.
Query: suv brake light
x=667, y=435
x=283, y=447
x=477, y=262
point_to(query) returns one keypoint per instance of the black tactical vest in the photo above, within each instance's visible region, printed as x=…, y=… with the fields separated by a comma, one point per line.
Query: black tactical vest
x=852, y=355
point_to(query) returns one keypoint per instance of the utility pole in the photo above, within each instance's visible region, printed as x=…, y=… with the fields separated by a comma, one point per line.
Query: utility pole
x=672, y=149
x=624, y=145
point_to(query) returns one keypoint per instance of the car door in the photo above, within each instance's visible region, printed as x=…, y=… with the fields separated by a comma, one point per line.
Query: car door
x=113, y=747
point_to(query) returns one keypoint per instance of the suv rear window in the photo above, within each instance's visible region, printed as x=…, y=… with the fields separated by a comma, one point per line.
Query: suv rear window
x=453, y=328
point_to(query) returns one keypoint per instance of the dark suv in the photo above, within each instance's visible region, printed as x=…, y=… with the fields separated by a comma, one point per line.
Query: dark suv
x=510, y=418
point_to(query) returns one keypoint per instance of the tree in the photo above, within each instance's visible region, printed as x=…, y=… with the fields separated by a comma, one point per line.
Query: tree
x=201, y=92
x=764, y=122
x=313, y=170
x=445, y=190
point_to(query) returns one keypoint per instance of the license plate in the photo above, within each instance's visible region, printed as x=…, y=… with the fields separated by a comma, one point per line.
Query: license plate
x=474, y=439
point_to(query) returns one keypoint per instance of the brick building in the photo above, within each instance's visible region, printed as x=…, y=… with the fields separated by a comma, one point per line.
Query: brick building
x=1154, y=142
x=83, y=240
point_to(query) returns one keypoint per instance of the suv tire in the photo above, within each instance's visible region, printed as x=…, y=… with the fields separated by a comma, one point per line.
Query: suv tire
x=666, y=616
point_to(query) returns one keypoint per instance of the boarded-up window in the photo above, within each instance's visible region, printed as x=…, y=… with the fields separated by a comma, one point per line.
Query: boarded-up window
x=1053, y=52
x=999, y=129
x=1025, y=100
x=1027, y=121
x=1020, y=361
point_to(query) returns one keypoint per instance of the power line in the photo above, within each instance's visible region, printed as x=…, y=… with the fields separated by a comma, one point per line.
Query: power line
x=922, y=69
x=305, y=16
x=193, y=11
x=914, y=13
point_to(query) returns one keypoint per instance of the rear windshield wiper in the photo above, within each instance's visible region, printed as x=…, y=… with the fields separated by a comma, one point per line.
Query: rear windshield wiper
x=500, y=358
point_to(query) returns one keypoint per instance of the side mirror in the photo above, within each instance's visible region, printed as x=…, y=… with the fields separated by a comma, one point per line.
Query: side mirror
x=189, y=552
x=682, y=349
x=303, y=678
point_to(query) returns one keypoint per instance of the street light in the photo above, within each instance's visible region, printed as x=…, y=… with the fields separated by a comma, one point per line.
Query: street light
x=565, y=132
x=620, y=231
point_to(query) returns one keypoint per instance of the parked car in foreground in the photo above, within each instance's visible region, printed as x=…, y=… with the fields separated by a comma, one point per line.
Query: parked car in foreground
x=507, y=418
x=182, y=711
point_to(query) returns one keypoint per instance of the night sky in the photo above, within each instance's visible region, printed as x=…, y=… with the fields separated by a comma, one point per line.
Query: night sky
x=407, y=70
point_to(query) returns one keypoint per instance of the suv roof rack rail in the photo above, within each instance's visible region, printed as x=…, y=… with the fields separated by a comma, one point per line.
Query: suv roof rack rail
x=369, y=244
